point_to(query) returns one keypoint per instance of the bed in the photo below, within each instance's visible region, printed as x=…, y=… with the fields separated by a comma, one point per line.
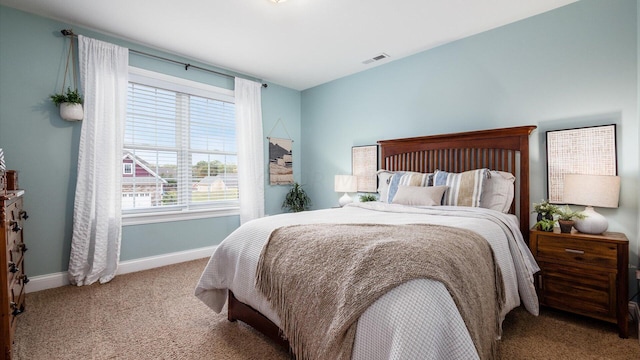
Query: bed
x=419, y=318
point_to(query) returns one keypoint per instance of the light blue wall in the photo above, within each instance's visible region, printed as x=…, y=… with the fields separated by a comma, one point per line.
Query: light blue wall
x=43, y=148
x=571, y=67
x=575, y=66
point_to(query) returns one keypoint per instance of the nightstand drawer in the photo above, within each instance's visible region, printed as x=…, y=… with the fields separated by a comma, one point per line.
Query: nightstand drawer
x=564, y=249
x=578, y=290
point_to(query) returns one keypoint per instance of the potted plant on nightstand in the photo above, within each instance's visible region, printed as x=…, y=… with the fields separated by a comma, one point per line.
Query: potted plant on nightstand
x=567, y=218
x=545, y=224
x=70, y=104
x=545, y=210
x=368, y=197
x=296, y=199
x=545, y=219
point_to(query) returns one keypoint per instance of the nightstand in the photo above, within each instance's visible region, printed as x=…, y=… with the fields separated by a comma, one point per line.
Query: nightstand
x=584, y=274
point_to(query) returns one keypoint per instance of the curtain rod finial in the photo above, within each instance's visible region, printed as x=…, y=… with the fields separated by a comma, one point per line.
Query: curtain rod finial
x=265, y=85
x=67, y=32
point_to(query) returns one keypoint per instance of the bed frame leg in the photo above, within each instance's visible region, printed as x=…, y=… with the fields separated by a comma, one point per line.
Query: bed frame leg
x=238, y=310
x=231, y=307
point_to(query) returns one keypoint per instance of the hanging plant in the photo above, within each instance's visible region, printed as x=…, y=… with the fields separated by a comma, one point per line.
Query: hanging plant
x=70, y=103
x=70, y=96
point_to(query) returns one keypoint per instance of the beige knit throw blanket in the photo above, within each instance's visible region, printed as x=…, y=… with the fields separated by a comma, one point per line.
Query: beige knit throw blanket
x=320, y=278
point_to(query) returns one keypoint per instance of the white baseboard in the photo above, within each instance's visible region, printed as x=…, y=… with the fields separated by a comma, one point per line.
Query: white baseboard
x=50, y=281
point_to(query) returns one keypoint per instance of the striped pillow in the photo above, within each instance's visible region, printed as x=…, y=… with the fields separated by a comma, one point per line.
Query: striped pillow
x=407, y=178
x=465, y=188
x=384, y=179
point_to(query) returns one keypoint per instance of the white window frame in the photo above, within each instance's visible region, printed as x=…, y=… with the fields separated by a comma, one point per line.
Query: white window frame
x=172, y=83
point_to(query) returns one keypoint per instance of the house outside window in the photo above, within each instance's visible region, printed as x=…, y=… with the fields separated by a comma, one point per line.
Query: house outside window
x=180, y=156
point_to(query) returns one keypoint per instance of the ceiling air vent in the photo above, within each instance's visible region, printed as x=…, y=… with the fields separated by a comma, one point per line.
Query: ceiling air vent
x=376, y=58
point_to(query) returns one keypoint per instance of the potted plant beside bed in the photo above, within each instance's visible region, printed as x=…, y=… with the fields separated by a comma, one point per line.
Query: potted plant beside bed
x=296, y=199
x=70, y=104
x=567, y=218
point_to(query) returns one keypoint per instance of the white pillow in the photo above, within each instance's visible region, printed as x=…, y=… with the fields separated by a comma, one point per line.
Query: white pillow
x=419, y=195
x=498, y=191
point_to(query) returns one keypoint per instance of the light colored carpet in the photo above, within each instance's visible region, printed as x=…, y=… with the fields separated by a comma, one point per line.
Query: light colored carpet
x=154, y=315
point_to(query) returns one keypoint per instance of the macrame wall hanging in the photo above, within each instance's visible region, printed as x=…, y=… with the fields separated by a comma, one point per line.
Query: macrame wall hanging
x=280, y=158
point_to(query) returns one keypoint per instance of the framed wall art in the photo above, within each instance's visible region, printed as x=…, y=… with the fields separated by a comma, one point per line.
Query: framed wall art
x=588, y=151
x=364, y=165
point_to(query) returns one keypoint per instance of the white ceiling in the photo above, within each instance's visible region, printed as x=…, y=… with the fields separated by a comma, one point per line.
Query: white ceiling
x=299, y=43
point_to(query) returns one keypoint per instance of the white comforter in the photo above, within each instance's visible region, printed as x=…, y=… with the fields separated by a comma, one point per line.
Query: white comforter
x=416, y=320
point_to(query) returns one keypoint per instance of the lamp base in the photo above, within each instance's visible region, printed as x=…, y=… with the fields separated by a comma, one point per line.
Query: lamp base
x=594, y=223
x=344, y=200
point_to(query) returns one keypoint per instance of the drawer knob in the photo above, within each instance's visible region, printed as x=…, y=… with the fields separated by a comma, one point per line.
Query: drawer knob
x=13, y=268
x=24, y=215
x=16, y=311
x=572, y=251
x=15, y=227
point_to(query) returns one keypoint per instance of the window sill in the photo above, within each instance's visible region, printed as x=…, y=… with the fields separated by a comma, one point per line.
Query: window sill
x=141, y=219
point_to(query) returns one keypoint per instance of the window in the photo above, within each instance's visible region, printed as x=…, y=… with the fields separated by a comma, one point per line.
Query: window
x=180, y=155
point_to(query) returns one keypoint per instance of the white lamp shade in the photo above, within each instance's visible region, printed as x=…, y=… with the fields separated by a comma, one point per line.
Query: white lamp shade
x=592, y=190
x=346, y=183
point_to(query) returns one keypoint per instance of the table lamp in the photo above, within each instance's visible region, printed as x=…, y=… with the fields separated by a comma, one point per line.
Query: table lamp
x=592, y=190
x=346, y=184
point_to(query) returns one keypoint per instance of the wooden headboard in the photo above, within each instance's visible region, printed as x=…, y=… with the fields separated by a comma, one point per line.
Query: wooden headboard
x=505, y=149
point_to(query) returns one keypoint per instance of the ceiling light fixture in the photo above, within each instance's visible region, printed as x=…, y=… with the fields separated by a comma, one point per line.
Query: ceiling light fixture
x=278, y=1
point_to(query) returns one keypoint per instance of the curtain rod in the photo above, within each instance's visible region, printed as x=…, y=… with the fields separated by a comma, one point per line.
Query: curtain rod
x=69, y=32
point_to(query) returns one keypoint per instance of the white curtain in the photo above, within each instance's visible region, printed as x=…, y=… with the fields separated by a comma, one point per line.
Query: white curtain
x=250, y=149
x=95, y=245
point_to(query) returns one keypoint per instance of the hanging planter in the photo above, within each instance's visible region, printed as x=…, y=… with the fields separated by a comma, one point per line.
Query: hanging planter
x=71, y=111
x=70, y=103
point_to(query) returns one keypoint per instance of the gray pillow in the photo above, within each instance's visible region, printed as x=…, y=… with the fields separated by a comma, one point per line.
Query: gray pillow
x=498, y=191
